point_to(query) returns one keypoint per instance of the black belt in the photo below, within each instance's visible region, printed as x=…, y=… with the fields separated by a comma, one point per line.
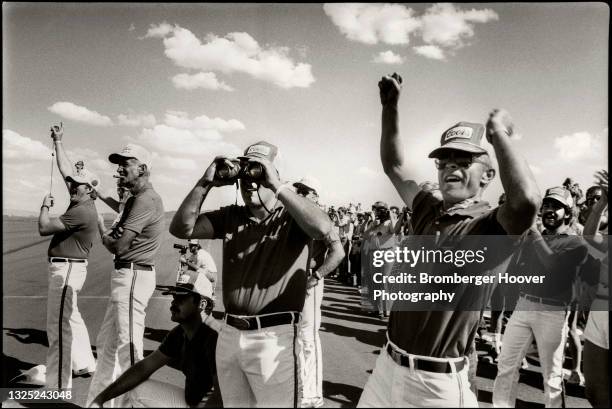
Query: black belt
x=547, y=301
x=262, y=321
x=66, y=260
x=424, y=364
x=135, y=266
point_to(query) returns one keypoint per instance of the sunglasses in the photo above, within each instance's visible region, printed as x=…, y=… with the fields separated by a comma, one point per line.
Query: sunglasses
x=593, y=199
x=461, y=161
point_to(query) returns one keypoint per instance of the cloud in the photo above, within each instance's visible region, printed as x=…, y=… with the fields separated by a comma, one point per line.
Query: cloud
x=78, y=113
x=136, y=119
x=181, y=120
x=442, y=24
x=388, y=57
x=373, y=23
x=206, y=80
x=236, y=52
x=132, y=27
x=15, y=146
x=430, y=51
x=174, y=163
x=158, y=30
x=446, y=25
x=579, y=146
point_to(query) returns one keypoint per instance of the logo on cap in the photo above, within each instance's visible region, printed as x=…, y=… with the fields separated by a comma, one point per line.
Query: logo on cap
x=459, y=132
x=258, y=150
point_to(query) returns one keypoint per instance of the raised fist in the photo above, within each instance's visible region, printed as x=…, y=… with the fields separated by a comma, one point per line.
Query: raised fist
x=48, y=201
x=499, y=121
x=390, y=87
x=57, y=132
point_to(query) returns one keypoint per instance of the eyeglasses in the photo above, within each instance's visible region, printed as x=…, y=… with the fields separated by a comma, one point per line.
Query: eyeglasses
x=593, y=199
x=461, y=161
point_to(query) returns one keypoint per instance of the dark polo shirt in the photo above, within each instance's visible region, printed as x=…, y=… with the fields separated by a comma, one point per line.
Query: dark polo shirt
x=143, y=214
x=81, y=222
x=195, y=358
x=445, y=334
x=570, y=253
x=264, y=264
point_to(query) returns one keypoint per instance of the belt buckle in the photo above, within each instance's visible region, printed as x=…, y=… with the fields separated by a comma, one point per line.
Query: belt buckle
x=241, y=323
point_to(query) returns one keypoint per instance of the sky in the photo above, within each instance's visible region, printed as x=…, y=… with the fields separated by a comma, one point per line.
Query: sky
x=193, y=81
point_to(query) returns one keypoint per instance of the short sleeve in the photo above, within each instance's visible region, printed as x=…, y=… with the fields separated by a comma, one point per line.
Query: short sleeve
x=172, y=343
x=138, y=212
x=206, y=260
x=74, y=218
x=219, y=221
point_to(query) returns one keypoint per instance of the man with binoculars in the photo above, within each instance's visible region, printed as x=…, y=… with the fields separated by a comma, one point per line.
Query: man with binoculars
x=265, y=252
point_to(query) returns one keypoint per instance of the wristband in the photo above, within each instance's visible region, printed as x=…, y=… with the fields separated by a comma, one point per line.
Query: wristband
x=281, y=188
x=48, y=208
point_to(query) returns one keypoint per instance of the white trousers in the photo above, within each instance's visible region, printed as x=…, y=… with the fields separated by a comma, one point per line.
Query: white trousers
x=120, y=340
x=311, y=359
x=156, y=394
x=69, y=344
x=550, y=331
x=259, y=368
x=394, y=386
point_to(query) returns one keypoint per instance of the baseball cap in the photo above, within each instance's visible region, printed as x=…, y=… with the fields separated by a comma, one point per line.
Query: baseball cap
x=131, y=150
x=381, y=204
x=84, y=177
x=561, y=195
x=463, y=136
x=80, y=162
x=189, y=282
x=309, y=182
x=261, y=149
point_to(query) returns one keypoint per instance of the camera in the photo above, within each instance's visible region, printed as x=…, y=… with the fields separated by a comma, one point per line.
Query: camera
x=242, y=169
x=182, y=248
x=381, y=213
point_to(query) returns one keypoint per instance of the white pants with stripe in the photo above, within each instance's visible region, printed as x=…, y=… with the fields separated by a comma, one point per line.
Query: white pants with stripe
x=395, y=386
x=311, y=357
x=68, y=337
x=550, y=331
x=120, y=340
x=259, y=368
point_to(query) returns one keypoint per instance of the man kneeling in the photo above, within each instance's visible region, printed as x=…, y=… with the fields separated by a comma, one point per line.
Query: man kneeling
x=189, y=346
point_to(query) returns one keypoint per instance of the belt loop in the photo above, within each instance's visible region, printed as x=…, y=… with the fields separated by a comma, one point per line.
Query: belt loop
x=453, y=367
x=411, y=361
x=258, y=322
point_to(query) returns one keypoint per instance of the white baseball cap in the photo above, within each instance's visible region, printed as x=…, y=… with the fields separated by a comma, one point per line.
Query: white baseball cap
x=309, y=182
x=84, y=177
x=132, y=150
x=189, y=282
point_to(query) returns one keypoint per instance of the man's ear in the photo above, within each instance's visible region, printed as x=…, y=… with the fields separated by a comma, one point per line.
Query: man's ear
x=487, y=176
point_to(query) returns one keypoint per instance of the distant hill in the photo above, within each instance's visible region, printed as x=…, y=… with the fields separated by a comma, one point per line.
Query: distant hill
x=16, y=214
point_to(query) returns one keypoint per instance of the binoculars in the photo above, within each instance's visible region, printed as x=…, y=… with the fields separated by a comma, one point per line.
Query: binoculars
x=242, y=169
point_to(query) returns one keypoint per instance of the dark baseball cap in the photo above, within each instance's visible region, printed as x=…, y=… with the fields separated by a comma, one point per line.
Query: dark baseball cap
x=463, y=136
x=380, y=204
x=561, y=195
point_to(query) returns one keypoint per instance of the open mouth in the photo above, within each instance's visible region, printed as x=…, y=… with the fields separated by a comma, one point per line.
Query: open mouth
x=452, y=179
x=549, y=218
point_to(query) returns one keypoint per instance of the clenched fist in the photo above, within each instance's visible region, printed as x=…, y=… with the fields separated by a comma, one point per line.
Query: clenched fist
x=499, y=121
x=57, y=131
x=390, y=87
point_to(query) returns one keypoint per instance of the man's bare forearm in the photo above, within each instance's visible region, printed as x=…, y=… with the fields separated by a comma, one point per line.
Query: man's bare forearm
x=523, y=195
x=63, y=162
x=308, y=216
x=591, y=226
x=333, y=258
x=391, y=147
x=187, y=214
